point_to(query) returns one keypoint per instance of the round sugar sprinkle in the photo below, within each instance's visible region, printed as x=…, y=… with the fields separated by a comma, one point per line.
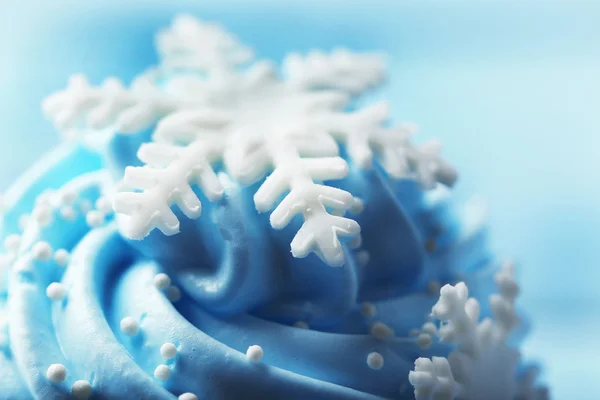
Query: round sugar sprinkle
x=85, y=205
x=174, y=294
x=103, y=205
x=301, y=325
x=162, y=373
x=68, y=213
x=381, y=330
x=81, y=390
x=56, y=373
x=375, y=360
x=61, y=257
x=187, y=396
x=162, y=281
x=424, y=341
x=67, y=197
x=129, y=326
x=94, y=218
x=42, y=251
x=168, y=351
x=56, y=291
x=42, y=214
x=23, y=222
x=368, y=310
x=12, y=243
x=254, y=353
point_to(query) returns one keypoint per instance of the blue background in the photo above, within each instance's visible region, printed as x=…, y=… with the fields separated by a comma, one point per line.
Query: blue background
x=511, y=87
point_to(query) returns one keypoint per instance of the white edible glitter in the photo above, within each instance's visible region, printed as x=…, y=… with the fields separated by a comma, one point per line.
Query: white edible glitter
x=368, y=310
x=12, y=243
x=168, y=351
x=375, y=360
x=94, y=218
x=56, y=291
x=42, y=251
x=162, y=281
x=56, y=373
x=173, y=294
x=81, y=390
x=254, y=353
x=162, y=372
x=61, y=257
x=187, y=396
x=129, y=326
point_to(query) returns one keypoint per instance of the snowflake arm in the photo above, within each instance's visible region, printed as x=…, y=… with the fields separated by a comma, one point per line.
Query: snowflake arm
x=341, y=70
x=169, y=171
x=192, y=44
x=433, y=380
x=482, y=362
x=321, y=230
x=81, y=107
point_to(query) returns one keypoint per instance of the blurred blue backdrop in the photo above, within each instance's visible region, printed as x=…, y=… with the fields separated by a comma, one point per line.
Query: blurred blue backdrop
x=511, y=87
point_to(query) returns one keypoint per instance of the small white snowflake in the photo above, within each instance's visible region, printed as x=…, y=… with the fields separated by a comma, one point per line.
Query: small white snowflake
x=209, y=110
x=483, y=365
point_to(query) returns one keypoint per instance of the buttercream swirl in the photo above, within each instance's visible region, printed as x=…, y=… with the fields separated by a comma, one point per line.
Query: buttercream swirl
x=239, y=287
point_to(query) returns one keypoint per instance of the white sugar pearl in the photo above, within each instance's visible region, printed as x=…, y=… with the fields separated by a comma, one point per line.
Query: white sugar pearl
x=85, y=205
x=68, y=213
x=162, y=281
x=301, y=325
x=174, y=294
x=375, y=360
x=103, y=205
x=42, y=214
x=61, y=257
x=94, y=218
x=56, y=291
x=81, y=390
x=363, y=257
x=168, y=351
x=67, y=197
x=56, y=373
x=424, y=341
x=381, y=331
x=12, y=243
x=357, y=206
x=23, y=222
x=254, y=353
x=368, y=310
x=129, y=326
x=41, y=251
x=162, y=373
x=355, y=243
x=429, y=327
x=187, y=396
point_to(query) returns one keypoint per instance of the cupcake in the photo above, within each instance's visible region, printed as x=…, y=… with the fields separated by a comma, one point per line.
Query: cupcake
x=222, y=228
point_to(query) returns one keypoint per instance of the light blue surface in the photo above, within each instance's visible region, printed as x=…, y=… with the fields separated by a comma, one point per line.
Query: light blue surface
x=512, y=89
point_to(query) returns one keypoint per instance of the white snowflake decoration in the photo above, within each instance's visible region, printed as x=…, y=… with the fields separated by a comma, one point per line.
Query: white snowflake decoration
x=256, y=123
x=482, y=366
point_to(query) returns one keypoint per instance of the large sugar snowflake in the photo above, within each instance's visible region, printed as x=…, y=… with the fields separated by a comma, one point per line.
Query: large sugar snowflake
x=483, y=365
x=209, y=109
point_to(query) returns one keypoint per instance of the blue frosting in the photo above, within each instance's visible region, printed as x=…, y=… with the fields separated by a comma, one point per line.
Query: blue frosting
x=240, y=287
